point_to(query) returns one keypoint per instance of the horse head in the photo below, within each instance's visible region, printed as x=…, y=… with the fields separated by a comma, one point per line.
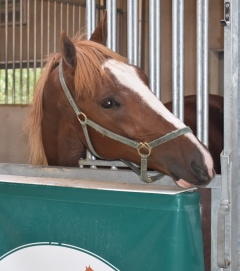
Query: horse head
x=116, y=96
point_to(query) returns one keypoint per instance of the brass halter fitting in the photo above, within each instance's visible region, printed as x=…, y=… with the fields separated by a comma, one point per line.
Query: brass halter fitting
x=82, y=121
x=146, y=146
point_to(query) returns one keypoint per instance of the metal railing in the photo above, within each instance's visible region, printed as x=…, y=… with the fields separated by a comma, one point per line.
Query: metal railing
x=30, y=31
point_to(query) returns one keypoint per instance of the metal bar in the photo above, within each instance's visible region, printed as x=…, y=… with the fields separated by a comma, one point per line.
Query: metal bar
x=222, y=262
x=54, y=26
x=35, y=41
x=227, y=91
x=178, y=58
x=140, y=30
x=71, y=2
x=61, y=17
x=48, y=28
x=13, y=50
x=91, y=17
x=79, y=17
x=28, y=42
x=175, y=63
x=155, y=47
x=205, y=91
x=6, y=52
x=73, y=21
x=67, y=17
x=41, y=34
x=112, y=26
x=181, y=60
x=91, y=23
x=116, y=176
x=231, y=126
x=20, y=52
x=132, y=35
x=199, y=86
x=158, y=50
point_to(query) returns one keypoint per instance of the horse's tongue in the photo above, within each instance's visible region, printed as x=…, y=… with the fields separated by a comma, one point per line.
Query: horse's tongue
x=184, y=184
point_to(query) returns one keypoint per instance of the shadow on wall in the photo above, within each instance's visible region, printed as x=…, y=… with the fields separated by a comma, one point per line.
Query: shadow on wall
x=13, y=141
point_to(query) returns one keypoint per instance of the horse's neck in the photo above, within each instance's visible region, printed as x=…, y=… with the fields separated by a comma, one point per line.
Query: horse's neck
x=70, y=148
x=61, y=144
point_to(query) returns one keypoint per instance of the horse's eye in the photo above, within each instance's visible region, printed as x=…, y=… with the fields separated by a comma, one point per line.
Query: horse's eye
x=109, y=104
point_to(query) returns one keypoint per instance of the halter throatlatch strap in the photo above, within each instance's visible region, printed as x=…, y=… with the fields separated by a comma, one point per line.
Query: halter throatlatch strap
x=142, y=172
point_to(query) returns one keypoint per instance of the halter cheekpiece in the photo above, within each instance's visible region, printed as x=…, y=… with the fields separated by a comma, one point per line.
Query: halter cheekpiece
x=139, y=146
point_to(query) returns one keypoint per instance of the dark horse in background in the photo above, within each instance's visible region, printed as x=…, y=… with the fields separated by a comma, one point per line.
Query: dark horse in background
x=116, y=96
x=215, y=123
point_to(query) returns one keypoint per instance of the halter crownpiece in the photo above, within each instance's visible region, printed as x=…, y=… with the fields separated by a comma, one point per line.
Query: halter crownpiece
x=142, y=173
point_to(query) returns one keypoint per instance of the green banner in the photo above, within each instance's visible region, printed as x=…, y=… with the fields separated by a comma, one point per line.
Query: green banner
x=56, y=228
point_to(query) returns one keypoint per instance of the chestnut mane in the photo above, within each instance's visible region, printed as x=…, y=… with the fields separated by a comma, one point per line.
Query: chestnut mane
x=88, y=74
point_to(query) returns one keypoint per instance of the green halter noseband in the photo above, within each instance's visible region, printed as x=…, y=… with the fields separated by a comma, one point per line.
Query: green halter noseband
x=142, y=173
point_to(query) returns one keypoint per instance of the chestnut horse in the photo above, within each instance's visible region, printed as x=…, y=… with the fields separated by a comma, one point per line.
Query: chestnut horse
x=116, y=96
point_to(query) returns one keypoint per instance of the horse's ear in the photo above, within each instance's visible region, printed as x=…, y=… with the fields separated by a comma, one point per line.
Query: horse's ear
x=68, y=50
x=100, y=33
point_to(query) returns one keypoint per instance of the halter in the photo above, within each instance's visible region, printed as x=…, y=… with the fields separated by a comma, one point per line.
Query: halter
x=139, y=146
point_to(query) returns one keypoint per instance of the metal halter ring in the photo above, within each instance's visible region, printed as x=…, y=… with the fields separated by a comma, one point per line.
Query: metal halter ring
x=144, y=145
x=84, y=116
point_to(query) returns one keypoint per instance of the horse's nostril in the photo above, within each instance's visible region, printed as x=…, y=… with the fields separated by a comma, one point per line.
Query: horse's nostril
x=200, y=174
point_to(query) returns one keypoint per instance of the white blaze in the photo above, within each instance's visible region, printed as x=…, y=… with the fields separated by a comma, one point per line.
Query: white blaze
x=128, y=77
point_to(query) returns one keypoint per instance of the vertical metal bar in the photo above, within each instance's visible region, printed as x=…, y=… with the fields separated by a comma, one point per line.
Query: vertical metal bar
x=235, y=132
x=67, y=18
x=28, y=40
x=202, y=70
x=112, y=26
x=175, y=56
x=91, y=23
x=199, y=69
x=20, y=51
x=6, y=52
x=79, y=17
x=13, y=50
x=140, y=31
x=181, y=60
x=178, y=58
x=48, y=28
x=132, y=21
x=205, y=97
x=232, y=128
x=227, y=90
x=41, y=34
x=35, y=41
x=155, y=47
x=91, y=17
x=73, y=21
x=54, y=26
x=61, y=16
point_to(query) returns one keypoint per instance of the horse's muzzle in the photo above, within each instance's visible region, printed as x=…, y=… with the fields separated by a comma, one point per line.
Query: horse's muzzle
x=201, y=174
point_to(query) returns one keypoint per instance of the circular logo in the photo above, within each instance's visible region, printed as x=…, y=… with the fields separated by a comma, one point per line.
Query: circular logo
x=53, y=257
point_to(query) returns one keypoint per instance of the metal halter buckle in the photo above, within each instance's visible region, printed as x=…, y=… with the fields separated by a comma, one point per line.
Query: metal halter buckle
x=84, y=116
x=144, y=145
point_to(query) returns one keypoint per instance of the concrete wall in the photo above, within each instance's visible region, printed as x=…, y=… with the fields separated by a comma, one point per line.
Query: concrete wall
x=13, y=141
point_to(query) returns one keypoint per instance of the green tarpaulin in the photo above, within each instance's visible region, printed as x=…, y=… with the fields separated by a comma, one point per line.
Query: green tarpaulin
x=100, y=230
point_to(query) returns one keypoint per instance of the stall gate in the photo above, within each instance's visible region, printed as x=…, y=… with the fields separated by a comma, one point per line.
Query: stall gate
x=225, y=216
x=225, y=195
